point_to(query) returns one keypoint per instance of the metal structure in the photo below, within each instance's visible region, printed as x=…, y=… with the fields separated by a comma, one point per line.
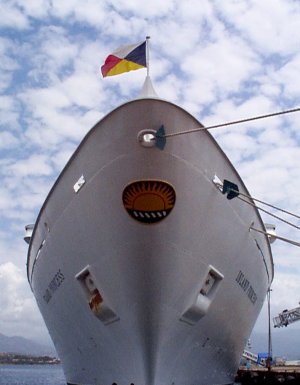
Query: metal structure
x=287, y=317
x=253, y=357
x=139, y=264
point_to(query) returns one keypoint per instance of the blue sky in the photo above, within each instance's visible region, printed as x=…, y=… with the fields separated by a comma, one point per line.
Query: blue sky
x=221, y=61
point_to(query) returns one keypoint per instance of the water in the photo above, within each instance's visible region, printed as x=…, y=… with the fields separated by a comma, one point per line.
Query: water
x=35, y=375
x=31, y=375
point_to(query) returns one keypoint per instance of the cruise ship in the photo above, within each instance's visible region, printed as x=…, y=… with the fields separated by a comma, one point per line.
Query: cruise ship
x=143, y=259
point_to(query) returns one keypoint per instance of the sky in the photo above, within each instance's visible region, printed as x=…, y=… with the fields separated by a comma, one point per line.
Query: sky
x=220, y=60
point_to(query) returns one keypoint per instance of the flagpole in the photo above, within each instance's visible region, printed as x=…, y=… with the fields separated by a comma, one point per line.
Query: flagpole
x=148, y=90
x=147, y=55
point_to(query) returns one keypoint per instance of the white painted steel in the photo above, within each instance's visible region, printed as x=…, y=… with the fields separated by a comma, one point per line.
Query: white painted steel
x=148, y=275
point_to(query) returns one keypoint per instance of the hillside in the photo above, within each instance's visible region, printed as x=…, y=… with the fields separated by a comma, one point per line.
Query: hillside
x=21, y=345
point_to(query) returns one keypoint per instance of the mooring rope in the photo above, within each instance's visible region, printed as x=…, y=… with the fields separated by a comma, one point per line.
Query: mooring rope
x=229, y=188
x=276, y=236
x=271, y=214
x=232, y=122
x=267, y=204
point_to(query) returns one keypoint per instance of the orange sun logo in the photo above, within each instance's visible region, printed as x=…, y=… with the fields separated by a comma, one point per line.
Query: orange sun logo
x=149, y=201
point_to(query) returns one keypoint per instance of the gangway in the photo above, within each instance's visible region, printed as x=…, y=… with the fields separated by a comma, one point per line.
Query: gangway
x=250, y=356
x=259, y=359
x=287, y=317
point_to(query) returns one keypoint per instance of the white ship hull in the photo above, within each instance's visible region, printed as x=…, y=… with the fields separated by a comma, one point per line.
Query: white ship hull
x=148, y=274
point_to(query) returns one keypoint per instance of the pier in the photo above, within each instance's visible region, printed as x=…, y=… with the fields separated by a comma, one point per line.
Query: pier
x=269, y=376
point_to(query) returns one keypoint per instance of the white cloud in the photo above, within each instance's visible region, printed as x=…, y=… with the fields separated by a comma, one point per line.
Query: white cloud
x=92, y=12
x=34, y=8
x=17, y=303
x=12, y=280
x=62, y=156
x=261, y=23
x=8, y=63
x=12, y=17
x=44, y=100
x=34, y=165
x=222, y=67
x=151, y=9
x=24, y=185
x=89, y=95
x=7, y=140
x=6, y=201
x=57, y=47
x=9, y=113
x=288, y=78
x=193, y=12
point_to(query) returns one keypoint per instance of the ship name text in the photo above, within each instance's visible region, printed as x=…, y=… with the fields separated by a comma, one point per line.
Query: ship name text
x=246, y=286
x=54, y=284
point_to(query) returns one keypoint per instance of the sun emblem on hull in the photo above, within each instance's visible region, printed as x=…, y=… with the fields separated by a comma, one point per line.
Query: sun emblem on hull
x=149, y=201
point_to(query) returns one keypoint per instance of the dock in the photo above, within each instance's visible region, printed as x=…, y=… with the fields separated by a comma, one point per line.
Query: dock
x=269, y=376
